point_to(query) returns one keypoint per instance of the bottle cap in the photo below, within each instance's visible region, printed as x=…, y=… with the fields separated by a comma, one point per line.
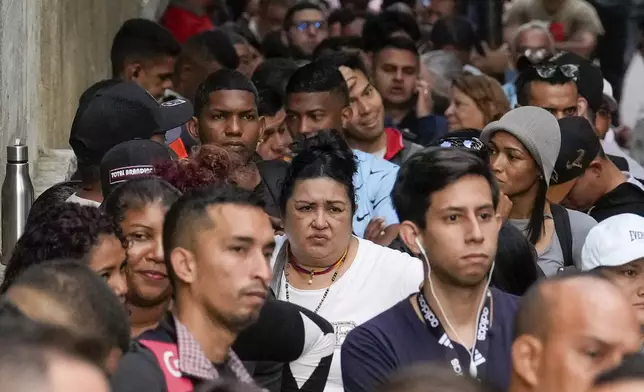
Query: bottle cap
x=17, y=152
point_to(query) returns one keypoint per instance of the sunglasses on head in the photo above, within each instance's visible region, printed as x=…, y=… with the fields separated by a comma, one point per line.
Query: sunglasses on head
x=455, y=142
x=303, y=26
x=547, y=71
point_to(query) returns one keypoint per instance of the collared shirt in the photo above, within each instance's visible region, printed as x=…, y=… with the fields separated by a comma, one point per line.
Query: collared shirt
x=193, y=361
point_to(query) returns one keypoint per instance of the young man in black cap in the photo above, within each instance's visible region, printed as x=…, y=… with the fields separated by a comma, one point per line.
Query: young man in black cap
x=115, y=115
x=585, y=179
x=131, y=159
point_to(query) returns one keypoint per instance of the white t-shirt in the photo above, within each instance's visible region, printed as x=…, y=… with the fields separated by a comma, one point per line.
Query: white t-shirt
x=377, y=279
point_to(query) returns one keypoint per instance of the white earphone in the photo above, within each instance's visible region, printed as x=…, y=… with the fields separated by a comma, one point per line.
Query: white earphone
x=473, y=369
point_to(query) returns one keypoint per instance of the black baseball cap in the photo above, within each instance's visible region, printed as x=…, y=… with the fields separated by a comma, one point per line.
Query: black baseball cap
x=120, y=113
x=131, y=159
x=579, y=146
x=590, y=82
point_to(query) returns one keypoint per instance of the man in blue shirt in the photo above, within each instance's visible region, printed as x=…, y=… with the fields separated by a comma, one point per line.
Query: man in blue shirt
x=446, y=199
x=318, y=98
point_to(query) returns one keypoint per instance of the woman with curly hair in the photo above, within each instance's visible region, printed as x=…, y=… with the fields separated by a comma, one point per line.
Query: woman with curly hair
x=138, y=208
x=476, y=100
x=71, y=231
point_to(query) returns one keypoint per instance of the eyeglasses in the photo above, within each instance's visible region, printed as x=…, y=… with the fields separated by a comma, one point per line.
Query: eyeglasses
x=547, y=71
x=303, y=26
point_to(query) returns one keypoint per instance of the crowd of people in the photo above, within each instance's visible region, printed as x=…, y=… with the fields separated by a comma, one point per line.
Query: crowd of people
x=303, y=196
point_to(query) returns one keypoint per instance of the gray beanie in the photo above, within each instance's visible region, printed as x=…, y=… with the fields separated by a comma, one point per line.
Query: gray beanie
x=536, y=129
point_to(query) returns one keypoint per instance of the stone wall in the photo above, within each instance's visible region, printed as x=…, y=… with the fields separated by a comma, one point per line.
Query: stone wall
x=50, y=52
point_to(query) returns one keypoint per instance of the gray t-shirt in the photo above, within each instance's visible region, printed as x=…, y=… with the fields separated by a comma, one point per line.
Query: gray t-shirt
x=551, y=259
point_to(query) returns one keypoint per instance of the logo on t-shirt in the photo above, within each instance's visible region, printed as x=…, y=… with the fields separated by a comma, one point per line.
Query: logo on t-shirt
x=342, y=329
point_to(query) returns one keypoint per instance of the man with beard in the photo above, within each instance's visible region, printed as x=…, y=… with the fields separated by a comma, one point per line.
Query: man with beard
x=217, y=243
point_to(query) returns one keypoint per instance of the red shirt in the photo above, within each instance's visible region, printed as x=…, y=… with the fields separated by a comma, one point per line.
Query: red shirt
x=183, y=24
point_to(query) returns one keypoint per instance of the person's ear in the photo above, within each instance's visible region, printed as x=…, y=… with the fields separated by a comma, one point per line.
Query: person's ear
x=184, y=265
x=527, y=351
x=347, y=114
x=262, y=129
x=193, y=128
x=582, y=107
x=595, y=167
x=409, y=232
x=132, y=72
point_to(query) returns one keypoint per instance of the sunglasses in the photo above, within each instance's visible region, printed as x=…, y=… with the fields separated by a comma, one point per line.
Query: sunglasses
x=474, y=145
x=548, y=71
x=303, y=26
x=455, y=142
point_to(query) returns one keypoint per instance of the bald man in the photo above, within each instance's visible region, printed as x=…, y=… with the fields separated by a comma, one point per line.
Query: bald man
x=569, y=330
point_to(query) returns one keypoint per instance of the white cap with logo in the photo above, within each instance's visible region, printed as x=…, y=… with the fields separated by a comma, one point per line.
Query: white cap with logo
x=615, y=241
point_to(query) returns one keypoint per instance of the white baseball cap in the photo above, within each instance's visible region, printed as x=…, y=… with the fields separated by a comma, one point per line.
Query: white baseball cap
x=615, y=241
x=608, y=95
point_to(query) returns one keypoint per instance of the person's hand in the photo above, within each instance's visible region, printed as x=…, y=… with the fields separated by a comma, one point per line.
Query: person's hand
x=424, y=104
x=505, y=206
x=379, y=233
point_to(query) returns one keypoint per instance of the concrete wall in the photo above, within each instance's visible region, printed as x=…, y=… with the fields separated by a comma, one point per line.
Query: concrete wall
x=50, y=51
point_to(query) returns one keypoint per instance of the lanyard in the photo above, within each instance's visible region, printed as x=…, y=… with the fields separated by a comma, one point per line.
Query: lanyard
x=481, y=345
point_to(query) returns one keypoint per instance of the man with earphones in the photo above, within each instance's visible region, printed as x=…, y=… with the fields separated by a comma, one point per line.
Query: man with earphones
x=446, y=199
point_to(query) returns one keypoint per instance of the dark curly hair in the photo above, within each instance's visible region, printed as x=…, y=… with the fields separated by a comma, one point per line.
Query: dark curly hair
x=63, y=231
x=325, y=155
x=136, y=194
x=208, y=165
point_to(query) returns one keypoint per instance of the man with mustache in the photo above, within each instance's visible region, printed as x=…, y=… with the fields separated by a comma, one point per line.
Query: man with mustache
x=217, y=243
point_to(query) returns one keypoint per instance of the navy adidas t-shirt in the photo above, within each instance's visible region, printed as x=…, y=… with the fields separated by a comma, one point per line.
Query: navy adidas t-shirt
x=373, y=351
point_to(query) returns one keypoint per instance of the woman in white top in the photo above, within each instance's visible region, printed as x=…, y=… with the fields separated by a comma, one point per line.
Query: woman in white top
x=319, y=264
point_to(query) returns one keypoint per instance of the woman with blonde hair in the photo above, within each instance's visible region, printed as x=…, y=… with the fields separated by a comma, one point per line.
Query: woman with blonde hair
x=476, y=100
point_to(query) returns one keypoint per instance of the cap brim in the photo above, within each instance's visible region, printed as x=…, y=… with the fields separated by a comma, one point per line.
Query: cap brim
x=174, y=114
x=627, y=254
x=557, y=193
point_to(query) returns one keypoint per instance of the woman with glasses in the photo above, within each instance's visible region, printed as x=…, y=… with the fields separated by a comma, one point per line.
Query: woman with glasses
x=319, y=264
x=476, y=100
x=523, y=147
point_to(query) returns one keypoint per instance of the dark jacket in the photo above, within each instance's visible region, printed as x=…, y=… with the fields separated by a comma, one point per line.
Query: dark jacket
x=626, y=198
x=282, y=334
x=422, y=130
x=398, y=148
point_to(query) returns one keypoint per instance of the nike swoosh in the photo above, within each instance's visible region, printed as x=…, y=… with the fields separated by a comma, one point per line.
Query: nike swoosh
x=361, y=218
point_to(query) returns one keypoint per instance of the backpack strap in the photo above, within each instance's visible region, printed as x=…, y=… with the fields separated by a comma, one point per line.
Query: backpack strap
x=167, y=355
x=564, y=232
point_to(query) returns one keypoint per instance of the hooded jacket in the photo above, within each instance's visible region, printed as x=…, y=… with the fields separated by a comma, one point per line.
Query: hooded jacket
x=626, y=198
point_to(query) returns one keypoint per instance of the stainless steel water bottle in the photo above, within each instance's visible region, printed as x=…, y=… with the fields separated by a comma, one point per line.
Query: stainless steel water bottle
x=17, y=196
